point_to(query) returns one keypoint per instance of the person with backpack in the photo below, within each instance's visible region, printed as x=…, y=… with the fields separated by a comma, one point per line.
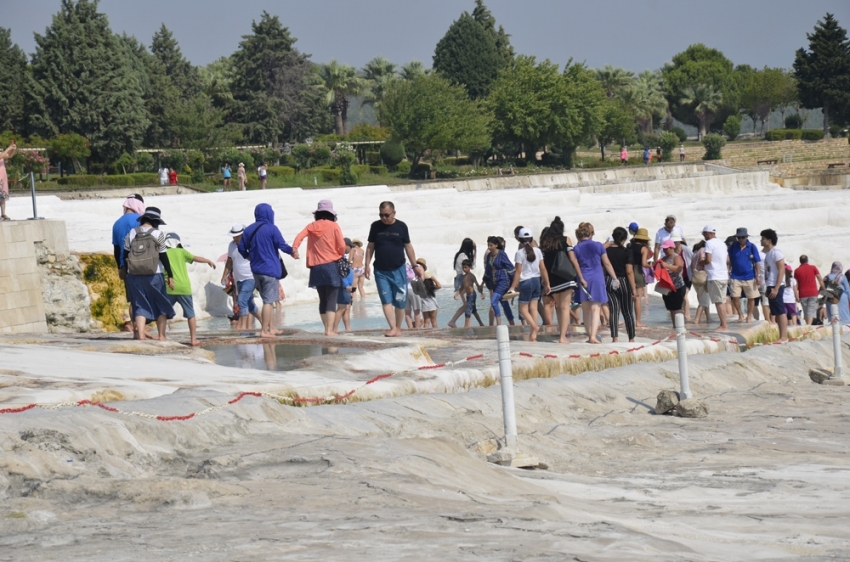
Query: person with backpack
x=133, y=207
x=326, y=261
x=260, y=244
x=181, y=292
x=146, y=257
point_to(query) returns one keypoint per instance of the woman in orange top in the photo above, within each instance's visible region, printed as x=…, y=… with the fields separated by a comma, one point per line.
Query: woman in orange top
x=325, y=246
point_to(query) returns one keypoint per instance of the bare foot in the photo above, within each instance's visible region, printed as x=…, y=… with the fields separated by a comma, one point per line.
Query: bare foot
x=533, y=335
x=563, y=340
x=613, y=340
x=722, y=328
x=195, y=343
x=593, y=340
x=452, y=325
x=640, y=325
x=161, y=338
x=265, y=334
x=331, y=333
x=395, y=333
x=277, y=332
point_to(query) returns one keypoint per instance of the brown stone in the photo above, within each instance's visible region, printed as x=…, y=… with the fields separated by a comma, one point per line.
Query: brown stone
x=692, y=408
x=666, y=401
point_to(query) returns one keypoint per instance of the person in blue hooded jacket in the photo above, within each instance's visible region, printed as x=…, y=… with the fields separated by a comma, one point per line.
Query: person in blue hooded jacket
x=260, y=243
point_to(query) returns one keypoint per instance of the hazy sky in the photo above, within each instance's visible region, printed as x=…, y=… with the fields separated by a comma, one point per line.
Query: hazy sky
x=633, y=34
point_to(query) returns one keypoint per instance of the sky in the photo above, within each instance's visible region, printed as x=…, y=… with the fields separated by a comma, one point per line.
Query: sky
x=636, y=35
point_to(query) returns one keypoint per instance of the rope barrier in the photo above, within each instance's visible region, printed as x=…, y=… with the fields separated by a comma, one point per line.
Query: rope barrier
x=336, y=398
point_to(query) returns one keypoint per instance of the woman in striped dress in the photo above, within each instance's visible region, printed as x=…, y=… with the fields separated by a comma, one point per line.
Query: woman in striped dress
x=621, y=299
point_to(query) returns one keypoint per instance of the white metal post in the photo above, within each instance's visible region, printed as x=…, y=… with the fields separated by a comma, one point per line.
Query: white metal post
x=836, y=340
x=507, y=383
x=682, y=351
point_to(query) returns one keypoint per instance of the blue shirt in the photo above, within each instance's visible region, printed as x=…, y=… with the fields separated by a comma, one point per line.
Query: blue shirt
x=743, y=261
x=121, y=229
x=225, y=173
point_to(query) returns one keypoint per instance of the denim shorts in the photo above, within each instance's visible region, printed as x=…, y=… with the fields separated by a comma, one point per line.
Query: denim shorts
x=470, y=305
x=245, y=297
x=392, y=286
x=185, y=302
x=529, y=290
x=269, y=288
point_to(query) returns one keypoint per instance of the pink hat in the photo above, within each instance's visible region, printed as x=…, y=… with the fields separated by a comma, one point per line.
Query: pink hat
x=327, y=206
x=668, y=244
x=788, y=267
x=134, y=205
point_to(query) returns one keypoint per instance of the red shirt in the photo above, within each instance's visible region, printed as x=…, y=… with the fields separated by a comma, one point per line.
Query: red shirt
x=806, y=276
x=172, y=177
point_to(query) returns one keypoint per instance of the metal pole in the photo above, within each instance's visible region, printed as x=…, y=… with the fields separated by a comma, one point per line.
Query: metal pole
x=836, y=341
x=682, y=351
x=507, y=382
x=34, y=207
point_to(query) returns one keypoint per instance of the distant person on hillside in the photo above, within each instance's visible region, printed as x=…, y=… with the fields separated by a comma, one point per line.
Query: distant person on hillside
x=4, y=180
x=172, y=177
x=226, y=174
x=658, y=153
x=146, y=258
x=163, y=176
x=809, y=282
x=241, y=176
x=681, y=153
x=263, y=173
x=181, y=292
x=260, y=244
x=624, y=156
x=647, y=155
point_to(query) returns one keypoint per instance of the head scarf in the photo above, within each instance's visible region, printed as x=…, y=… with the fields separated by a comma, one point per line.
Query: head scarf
x=134, y=205
x=837, y=267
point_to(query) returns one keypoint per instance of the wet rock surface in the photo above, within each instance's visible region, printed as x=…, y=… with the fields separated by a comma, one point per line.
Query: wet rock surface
x=67, y=304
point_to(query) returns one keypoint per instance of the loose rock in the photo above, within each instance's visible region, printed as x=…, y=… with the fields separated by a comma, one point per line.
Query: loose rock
x=692, y=408
x=819, y=375
x=666, y=401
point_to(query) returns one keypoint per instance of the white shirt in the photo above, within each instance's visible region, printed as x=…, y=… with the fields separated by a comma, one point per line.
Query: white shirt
x=662, y=235
x=761, y=269
x=530, y=270
x=716, y=268
x=163, y=174
x=770, y=261
x=459, y=263
x=241, y=266
x=261, y=172
x=788, y=297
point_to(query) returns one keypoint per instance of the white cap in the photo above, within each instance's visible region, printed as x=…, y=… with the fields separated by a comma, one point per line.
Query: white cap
x=525, y=232
x=709, y=228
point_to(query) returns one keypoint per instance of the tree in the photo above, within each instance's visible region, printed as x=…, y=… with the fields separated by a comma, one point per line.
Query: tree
x=70, y=148
x=378, y=73
x=703, y=100
x=585, y=115
x=699, y=64
x=823, y=72
x=183, y=75
x=84, y=81
x=276, y=95
x=615, y=81
x=645, y=98
x=413, y=69
x=762, y=92
x=787, y=93
x=340, y=81
x=429, y=112
x=619, y=125
x=197, y=124
x=13, y=71
x=467, y=55
x=486, y=20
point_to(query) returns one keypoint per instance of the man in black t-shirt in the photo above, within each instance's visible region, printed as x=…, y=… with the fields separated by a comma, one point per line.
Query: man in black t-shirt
x=389, y=241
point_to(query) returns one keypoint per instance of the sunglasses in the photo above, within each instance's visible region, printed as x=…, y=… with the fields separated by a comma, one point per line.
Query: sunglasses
x=385, y=215
x=741, y=237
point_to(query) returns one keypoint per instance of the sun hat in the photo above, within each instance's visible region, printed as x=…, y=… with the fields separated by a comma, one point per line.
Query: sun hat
x=237, y=229
x=134, y=205
x=347, y=242
x=675, y=238
x=709, y=228
x=429, y=275
x=741, y=233
x=422, y=261
x=670, y=217
x=668, y=244
x=326, y=206
x=633, y=227
x=525, y=232
x=172, y=240
x=152, y=214
x=642, y=234
x=241, y=164
x=357, y=242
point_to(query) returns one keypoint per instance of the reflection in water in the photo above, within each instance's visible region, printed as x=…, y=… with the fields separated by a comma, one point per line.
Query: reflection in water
x=271, y=357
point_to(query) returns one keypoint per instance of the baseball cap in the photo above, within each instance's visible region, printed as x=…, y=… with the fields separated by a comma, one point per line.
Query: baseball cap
x=172, y=239
x=525, y=232
x=347, y=242
x=709, y=228
x=633, y=227
x=668, y=244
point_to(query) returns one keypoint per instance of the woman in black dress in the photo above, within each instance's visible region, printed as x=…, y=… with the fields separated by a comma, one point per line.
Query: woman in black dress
x=552, y=243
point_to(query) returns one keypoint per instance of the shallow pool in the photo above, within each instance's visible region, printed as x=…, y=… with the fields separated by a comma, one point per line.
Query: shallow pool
x=272, y=357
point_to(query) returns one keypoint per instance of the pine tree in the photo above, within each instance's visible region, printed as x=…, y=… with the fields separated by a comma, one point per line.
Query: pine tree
x=13, y=70
x=503, y=41
x=467, y=55
x=823, y=72
x=84, y=82
x=180, y=71
x=274, y=92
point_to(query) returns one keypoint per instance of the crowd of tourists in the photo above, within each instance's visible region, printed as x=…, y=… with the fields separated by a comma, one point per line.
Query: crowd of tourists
x=555, y=279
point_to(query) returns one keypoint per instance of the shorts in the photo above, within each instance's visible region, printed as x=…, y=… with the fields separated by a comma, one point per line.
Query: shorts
x=809, y=305
x=470, y=306
x=750, y=288
x=245, y=297
x=640, y=280
x=268, y=287
x=777, y=305
x=791, y=309
x=458, y=281
x=674, y=299
x=702, y=296
x=343, y=296
x=529, y=290
x=717, y=291
x=392, y=286
x=185, y=302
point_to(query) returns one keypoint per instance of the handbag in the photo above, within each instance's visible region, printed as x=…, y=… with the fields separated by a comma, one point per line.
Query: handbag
x=283, y=272
x=344, y=266
x=663, y=281
x=563, y=266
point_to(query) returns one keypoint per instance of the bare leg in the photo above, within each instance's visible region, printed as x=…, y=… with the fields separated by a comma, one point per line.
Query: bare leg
x=394, y=316
x=266, y=330
x=529, y=318
x=141, y=321
x=721, y=313
x=686, y=306
x=562, y=302
x=193, y=330
x=590, y=312
x=751, y=305
x=782, y=320
x=458, y=313
x=638, y=297
x=160, y=326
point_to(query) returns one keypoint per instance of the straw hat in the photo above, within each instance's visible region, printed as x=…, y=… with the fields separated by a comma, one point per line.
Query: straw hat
x=642, y=234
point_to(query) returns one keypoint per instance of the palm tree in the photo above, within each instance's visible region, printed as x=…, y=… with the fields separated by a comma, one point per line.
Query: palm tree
x=705, y=101
x=378, y=73
x=413, y=69
x=645, y=96
x=614, y=80
x=339, y=81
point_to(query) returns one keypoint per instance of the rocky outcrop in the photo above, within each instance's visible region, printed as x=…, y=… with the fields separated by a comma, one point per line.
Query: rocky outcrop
x=66, y=299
